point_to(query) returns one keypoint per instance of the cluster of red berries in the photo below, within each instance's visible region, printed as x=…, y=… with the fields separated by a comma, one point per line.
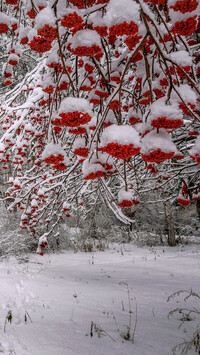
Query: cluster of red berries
x=185, y=6
x=48, y=32
x=124, y=29
x=193, y=133
x=54, y=159
x=77, y=131
x=7, y=82
x=89, y=68
x=120, y=151
x=157, y=156
x=11, y=2
x=102, y=94
x=196, y=157
x=86, y=88
x=101, y=30
x=183, y=201
x=57, y=66
x=60, y=166
x=156, y=2
x=159, y=93
x=24, y=40
x=164, y=122
x=133, y=120
x=92, y=176
x=131, y=41
x=86, y=51
x=125, y=203
x=72, y=20
x=82, y=152
x=32, y=13
x=185, y=27
x=3, y=28
x=40, y=44
x=184, y=108
x=95, y=101
x=81, y=4
x=74, y=119
x=137, y=57
x=114, y=105
x=63, y=86
x=49, y=89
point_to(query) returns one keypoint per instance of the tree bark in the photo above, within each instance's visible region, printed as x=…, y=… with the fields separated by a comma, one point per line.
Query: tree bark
x=170, y=224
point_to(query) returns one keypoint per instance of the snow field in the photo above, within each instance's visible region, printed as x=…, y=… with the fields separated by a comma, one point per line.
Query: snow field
x=64, y=293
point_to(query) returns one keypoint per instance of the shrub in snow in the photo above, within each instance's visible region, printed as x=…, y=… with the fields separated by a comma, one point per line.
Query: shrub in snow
x=115, y=97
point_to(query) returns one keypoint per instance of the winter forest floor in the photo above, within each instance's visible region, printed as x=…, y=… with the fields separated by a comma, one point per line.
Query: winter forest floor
x=64, y=293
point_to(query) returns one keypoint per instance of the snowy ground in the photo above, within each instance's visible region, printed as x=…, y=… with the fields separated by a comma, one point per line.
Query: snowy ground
x=64, y=293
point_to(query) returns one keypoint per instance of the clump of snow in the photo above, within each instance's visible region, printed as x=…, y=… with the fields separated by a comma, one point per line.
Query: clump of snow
x=79, y=143
x=29, y=127
x=187, y=94
x=17, y=182
x=110, y=117
x=23, y=32
x=66, y=206
x=13, y=58
x=52, y=149
x=53, y=57
x=4, y=19
x=73, y=104
x=153, y=141
x=2, y=147
x=181, y=57
x=45, y=17
x=124, y=195
x=118, y=12
x=88, y=168
x=85, y=38
x=103, y=158
x=160, y=109
x=31, y=34
x=41, y=191
x=34, y=203
x=120, y=134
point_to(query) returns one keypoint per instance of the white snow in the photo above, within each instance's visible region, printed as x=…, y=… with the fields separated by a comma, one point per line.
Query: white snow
x=89, y=168
x=181, y=57
x=64, y=293
x=153, y=141
x=79, y=143
x=125, y=195
x=160, y=109
x=85, y=38
x=52, y=149
x=120, y=134
x=45, y=17
x=73, y=104
x=117, y=12
x=4, y=19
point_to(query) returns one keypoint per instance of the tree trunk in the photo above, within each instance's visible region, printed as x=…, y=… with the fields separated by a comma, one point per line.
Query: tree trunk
x=170, y=224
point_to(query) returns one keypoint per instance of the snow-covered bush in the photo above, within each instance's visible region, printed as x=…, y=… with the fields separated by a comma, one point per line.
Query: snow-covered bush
x=110, y=104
